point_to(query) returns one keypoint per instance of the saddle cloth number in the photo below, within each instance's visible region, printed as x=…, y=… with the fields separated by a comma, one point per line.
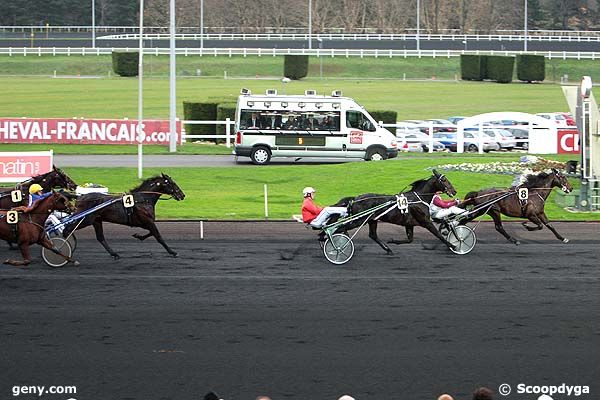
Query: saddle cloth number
x=402, y=203
x=128, y=201
x=16, y=196
x=523, y=194
x=12, y=217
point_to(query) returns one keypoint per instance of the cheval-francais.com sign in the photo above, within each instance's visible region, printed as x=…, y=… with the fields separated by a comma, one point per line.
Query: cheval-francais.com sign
x=20, y=166
x=84, y=131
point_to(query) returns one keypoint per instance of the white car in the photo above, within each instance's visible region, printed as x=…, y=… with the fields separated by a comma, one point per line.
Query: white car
x=504, y=138
x=421, y=139
x=558, y=118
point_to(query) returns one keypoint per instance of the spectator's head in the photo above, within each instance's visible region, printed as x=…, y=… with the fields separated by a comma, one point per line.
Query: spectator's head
x=263, y=398
x=346, y=397
x=211, y=396
x=445, y=396
x=483, y=393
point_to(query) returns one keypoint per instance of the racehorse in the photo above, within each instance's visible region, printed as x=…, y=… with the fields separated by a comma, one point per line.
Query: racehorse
x=539, y=187
x=141, y=215
x=30, y=228
x=419, y=197
x=48, y=181
x=56, y=178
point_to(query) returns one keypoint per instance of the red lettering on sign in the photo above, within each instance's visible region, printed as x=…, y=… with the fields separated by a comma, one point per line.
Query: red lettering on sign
x=568, y=141
x=356, y=137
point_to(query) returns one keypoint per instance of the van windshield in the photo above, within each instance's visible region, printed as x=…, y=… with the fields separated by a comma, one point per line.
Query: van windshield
x=290, y=120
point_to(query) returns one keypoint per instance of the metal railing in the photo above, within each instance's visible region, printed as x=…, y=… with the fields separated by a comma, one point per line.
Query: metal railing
x=83, y=51
x=227, y=136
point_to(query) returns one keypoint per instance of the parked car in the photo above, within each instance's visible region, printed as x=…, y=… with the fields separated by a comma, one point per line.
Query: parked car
x=558, y=118
x=445, y=138
x=422, y=139
x=521, y=137
x=455, y=119
x=503, y=137
x=442, y=125
x=471, y=143
x=569, y=118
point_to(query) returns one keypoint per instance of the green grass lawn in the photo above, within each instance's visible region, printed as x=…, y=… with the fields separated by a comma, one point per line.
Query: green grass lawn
x=117, y=98
x=187, y=148
x=237, y=193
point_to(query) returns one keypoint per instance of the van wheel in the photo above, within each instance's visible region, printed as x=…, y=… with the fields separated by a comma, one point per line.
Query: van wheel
x=375, y=155
x=260, y=155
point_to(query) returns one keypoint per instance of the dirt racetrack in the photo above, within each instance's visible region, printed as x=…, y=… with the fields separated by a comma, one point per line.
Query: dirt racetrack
x=255, y=308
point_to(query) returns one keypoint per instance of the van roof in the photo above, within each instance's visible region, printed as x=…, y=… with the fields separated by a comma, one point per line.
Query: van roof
x=293, y=97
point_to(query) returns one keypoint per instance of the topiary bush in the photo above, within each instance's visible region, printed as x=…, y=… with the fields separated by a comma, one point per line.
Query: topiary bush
x=295, y=67
x=531, y=68
x=500, y=68
x=225, y=110
x=197, y=111
x=125, y=63
x=472, y=67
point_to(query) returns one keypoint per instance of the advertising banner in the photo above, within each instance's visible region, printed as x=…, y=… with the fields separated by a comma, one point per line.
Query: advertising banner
x=568, y=141
x=84, y=131
x=20, y=166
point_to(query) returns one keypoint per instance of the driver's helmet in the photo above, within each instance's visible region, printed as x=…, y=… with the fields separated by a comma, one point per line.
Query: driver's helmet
x=35, y=188
x=308, y=191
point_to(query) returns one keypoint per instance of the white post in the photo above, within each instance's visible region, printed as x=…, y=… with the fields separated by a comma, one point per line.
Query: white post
x=525, y=25
x=140, y=118
x=201, y=229
x=172, y=89
x=481, y=138
x=94, y=23
x=418, y=25
x=310, y=24
x=202, y=24
x=266, y=202
x=227, y=132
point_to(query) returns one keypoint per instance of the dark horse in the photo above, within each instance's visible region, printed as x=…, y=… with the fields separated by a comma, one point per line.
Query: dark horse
x=48, y=181
x=419, y=197
x=141, y=215
x=539, y=187
x=30, y=228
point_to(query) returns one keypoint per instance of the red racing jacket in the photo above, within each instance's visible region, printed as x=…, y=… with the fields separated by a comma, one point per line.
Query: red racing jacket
x=309, y=210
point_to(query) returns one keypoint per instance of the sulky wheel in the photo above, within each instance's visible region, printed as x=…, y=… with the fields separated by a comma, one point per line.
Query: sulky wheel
x=71, y=239
x=338, y=249
x=463, y=238
x=51, y=258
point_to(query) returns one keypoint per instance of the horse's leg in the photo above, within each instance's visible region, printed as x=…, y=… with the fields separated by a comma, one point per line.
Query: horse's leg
x=373, y=235
x=24, y=247
x=546, y=222
x=12, y=246
x=538, y=224
x=100, y=237
x=495, y=214
x=154, y=232
x=139, y=236
x=431, y=228
x=410, y=232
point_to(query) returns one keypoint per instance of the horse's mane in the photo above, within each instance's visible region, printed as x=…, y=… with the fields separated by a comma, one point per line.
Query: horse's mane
x=418, y=184
x=145, y=182
x=535, y=180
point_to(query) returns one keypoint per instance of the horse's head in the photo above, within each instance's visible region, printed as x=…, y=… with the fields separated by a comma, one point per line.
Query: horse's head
x=53, y=179
x=57, y=202
x=561, y=181
x=166, y=185
x=63, y=180
x=442, y=184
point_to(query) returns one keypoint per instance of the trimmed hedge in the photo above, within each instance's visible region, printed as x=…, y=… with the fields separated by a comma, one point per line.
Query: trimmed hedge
x=531, y=68
x=200, y=112
x=387, y=116
x=500, y=68
x=125, y=63
x=295, y=66
x=225, y=110
x=472, y=67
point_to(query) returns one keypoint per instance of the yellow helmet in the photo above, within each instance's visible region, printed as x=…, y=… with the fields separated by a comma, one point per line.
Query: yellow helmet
x=35, y=188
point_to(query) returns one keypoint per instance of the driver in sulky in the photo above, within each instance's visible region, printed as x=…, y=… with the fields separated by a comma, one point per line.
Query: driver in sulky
x=317, y=216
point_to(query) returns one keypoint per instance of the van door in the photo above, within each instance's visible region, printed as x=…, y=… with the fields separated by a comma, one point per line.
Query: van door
x=359, y=130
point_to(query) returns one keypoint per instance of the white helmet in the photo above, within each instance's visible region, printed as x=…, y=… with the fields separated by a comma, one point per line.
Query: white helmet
x=308, y=190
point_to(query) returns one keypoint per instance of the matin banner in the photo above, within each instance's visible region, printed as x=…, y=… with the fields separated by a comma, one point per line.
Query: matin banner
x=568, y=141
x=20, y=166
x=84, y=131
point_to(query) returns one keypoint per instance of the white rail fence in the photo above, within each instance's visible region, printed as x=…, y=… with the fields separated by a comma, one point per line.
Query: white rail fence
x=227, y=136
x=245, y=52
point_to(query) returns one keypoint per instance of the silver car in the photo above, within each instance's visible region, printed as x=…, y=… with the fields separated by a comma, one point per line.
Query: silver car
x=504, y=138
x=422, y=140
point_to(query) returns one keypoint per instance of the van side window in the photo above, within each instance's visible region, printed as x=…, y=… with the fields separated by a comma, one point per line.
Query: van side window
x=357, y=120
x=289, y=120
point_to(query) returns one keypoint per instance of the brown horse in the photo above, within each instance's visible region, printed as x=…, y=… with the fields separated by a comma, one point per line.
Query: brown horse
x=30, y=227
x=48, y=181
x=141, y=215
x=539, y=187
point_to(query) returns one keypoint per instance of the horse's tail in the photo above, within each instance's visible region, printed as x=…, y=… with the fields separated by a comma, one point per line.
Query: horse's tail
x=470, y=198
x=344, y=202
